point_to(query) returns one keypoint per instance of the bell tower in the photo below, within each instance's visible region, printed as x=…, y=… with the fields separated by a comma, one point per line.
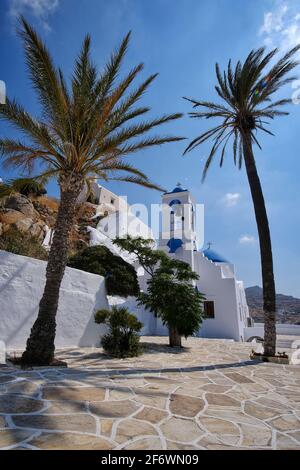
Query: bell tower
x=178, y=233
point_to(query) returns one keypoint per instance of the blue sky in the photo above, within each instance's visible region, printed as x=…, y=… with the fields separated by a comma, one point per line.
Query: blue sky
x=182, y=40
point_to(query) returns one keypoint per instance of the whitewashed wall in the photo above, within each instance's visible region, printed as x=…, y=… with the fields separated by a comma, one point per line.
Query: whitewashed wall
x=281, y=329
x=22, y=281
x=217, y=283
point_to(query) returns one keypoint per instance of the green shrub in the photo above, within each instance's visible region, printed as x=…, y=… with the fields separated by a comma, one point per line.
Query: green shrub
x=120, y=276
x=22, y=244
x=123, y=339
x=24, y=186
x=29, y=187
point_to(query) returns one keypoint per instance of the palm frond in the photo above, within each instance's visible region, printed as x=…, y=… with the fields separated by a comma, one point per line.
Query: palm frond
x=202, y=138
x=43, y=74
x=88, y=123
x=121, y=166
x=246, y=92
x=107, y=79
x=138, y=181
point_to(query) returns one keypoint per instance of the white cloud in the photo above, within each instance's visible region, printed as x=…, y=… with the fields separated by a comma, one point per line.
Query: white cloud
x=281, y=26
x=38, y=8
x=247, y=240
x=231, y=199
x=273, y=20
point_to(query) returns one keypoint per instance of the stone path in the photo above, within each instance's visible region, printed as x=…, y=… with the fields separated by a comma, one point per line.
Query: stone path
x=208, y=396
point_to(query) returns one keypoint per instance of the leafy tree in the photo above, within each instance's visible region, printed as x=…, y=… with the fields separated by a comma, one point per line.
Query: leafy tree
x=87, y=129
x=246, y=92
x=123, y=339
x=120, y=276
x=171, y=294
x=174, y=299
x=144, y=251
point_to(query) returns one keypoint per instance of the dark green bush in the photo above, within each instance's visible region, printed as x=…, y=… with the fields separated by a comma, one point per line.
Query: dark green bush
x=122, y=339
x=22, y=244
x=24, y=186
x=29, y=187
x=120, y=276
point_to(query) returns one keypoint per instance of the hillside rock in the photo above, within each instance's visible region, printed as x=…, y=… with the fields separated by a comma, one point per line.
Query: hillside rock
x=288, y=307
x=47, y=209
x=11, y=216
x=24, y=224
x=38, y=230
x=37, y=214
x=22, y=204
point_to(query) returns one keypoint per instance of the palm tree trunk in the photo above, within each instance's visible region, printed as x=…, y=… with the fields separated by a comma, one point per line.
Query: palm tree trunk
x=40, y=344
x=269, y=294
x=174, y=337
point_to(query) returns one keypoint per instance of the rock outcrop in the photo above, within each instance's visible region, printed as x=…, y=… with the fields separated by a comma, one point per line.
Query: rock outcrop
x=18, y=212
x=35, y=215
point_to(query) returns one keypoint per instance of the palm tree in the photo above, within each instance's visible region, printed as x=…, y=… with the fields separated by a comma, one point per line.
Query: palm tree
x=85, y=129
x=246, y=92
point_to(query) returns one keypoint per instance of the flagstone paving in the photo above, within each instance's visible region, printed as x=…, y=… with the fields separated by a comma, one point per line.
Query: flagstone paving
x=207, y=396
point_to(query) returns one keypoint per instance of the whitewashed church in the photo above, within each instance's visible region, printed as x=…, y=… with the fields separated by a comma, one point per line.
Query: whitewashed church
x=226, y=310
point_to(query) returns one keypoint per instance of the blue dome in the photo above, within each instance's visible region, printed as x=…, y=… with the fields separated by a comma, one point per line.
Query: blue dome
x=178, y=189
x=213, y=256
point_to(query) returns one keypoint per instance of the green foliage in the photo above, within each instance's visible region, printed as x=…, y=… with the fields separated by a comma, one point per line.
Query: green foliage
x=25, y=186
x=5, y=190
x=120, y=276
x=122, y=339
x=22, y=244
x=29, y=186
x=170, y=294
x=143, y=249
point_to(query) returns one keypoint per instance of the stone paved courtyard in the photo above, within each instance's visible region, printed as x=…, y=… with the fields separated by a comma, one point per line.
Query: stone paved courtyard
x=208, y=396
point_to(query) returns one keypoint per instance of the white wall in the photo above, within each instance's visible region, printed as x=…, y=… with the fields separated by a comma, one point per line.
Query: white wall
x=281, y=329
x=22, y=281
x=222, y=291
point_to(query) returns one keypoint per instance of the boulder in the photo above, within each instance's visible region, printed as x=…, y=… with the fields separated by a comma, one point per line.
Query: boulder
x=24, y=224
x=21, y=203
x=5, y=228
x=11, y=216
x=38, y=230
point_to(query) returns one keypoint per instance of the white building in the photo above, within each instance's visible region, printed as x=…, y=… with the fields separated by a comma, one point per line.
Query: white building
x=107, y=201
x=225, y=307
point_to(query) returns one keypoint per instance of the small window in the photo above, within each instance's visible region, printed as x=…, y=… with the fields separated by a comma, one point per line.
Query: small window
x=112, y=201
x=209, y=309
